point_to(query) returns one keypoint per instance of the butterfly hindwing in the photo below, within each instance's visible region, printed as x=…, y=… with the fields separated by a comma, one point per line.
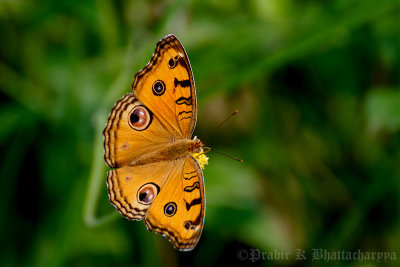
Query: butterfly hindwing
x=123, y=142
x=133, y=189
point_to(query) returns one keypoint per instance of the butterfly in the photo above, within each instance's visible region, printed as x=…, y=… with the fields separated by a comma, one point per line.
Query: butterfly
x=156, y=170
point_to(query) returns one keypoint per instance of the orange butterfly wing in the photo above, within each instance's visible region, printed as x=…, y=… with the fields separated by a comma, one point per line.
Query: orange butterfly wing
x=179, y=209
x=126, y=184
x=122, y=143
x=166, y=87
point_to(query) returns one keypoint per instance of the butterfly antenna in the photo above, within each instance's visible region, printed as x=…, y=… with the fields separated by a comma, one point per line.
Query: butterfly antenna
x=213, y=130
x=207, y=149
x=229, y=156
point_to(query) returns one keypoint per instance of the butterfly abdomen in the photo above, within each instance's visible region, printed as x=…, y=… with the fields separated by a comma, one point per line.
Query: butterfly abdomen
x=178, y=149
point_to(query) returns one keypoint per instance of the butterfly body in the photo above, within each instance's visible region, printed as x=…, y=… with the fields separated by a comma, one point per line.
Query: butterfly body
x=178, y=149
x=156, y=166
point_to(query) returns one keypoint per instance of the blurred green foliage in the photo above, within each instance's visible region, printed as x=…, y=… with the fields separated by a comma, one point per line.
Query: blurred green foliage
x=317, y=86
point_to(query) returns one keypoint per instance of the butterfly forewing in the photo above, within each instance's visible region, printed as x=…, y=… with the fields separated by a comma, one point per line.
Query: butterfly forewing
x=166, y=86
x=178, y=211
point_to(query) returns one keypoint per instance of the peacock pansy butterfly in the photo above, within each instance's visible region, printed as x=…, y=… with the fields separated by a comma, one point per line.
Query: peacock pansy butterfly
x=156, y=170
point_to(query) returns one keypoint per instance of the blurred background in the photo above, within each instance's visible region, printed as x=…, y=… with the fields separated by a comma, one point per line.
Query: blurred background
x=317, y=87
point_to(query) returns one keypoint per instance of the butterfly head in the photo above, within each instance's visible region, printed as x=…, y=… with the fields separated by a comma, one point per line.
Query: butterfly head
x=198, y=153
